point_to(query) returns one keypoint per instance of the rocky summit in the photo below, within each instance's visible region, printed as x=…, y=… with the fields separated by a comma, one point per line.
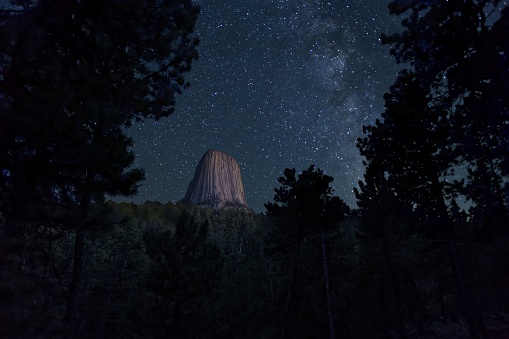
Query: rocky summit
x=217, y=182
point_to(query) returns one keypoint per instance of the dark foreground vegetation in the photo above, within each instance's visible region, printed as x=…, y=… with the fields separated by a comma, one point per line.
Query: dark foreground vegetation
x=425, y=254
x=170, y=271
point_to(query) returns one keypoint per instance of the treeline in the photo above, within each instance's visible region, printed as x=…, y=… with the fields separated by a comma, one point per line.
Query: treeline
x=152, y=271
x=162, y=270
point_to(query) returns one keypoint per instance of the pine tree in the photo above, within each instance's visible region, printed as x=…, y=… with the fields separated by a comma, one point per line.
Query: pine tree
x=307, y=205
x=74, y=74
x=185, y=272
x=448, y=108
x=446, y=111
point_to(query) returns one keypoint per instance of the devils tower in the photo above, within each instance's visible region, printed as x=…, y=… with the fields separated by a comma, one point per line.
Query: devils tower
x=217, y=182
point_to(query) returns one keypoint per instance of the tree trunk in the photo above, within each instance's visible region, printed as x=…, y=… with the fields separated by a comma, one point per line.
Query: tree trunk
x=475, y=322
x=71, y=314
x=394, y=285
x=291, y=289
x=327, y=287
x=70, y=321
x=476, y=326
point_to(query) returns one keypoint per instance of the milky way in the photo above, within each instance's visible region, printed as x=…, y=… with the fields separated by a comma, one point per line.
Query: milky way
x=278, y=84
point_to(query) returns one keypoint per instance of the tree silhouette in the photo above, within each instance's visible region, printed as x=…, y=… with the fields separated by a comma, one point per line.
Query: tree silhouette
x=307, y=204
x=73, y=76
x=185, y=273
x=448, y=110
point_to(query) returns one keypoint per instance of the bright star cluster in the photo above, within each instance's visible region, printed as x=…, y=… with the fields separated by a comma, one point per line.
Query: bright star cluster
x=279, y=83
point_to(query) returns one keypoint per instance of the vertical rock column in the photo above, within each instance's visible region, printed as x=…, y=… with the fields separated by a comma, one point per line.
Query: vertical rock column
x=217, y=182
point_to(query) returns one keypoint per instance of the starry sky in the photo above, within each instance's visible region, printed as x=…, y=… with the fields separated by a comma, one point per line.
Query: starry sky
x=279, y=83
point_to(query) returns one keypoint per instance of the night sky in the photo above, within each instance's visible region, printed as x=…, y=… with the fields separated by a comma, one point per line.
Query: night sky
x=278, y=84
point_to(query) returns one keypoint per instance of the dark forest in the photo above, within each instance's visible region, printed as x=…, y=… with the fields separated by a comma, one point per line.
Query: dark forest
x=424, y=254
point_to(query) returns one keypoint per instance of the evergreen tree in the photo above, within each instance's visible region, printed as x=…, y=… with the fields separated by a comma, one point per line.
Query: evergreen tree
x=448, y=110
x=73, y=75
x=307, y=204
x=185, y=272
x=244, y=295
x=388, y=243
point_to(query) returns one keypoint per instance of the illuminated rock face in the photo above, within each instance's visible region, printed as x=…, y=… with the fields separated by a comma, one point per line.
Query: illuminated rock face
x=217, y=182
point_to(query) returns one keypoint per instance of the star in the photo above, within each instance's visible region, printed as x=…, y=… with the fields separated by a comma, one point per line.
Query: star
x=283, y=84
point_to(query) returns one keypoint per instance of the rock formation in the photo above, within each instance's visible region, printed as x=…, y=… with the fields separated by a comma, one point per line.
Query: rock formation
x=217, y=182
